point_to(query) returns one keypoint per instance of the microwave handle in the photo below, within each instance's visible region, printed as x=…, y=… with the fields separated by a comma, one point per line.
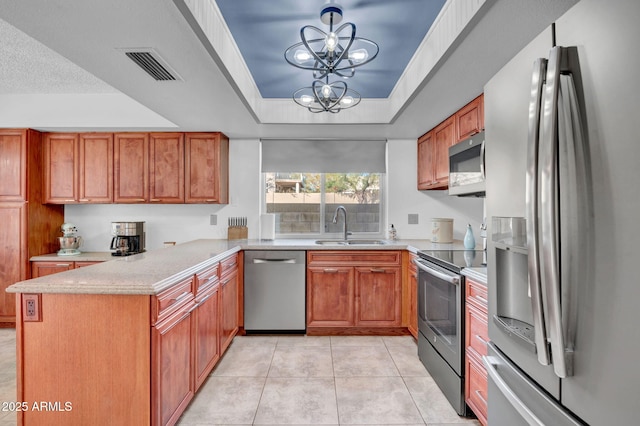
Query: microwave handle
x=482, y=160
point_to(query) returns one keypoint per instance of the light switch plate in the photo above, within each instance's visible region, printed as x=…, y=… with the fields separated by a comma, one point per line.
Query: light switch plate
x=213, y=219
x=413, y=219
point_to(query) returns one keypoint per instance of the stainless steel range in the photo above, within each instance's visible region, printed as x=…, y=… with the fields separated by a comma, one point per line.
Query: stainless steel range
x=441, y=318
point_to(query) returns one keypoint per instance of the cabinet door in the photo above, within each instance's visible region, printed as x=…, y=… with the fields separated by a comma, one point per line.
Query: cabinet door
x=470, y=119
x=330, y=296
x=60, y=168
x=206, y=168
x=172, y=366
x=12, y=255
x=229, y=308
x=131, y=167
x=445, y=136
x=41, y=269
x=378, y=298
x=166, y=167
x=13, y=173
x=95, y=168
x=206, y=334
x=426, y=169
x=413, y=299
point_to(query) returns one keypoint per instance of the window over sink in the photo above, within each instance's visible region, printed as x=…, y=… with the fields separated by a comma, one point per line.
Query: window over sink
x=305, y=203
x=306, y=180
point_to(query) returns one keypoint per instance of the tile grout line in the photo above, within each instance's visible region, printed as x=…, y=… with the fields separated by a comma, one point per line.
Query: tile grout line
x=264, y=385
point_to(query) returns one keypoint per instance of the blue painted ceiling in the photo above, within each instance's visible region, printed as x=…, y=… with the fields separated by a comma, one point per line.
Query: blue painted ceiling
x=264, y=29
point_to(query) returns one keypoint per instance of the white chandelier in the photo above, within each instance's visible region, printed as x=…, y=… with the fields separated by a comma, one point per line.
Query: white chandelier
x=337, y=52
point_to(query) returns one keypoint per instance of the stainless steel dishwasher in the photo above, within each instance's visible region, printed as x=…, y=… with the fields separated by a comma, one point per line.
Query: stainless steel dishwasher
x=274, y=291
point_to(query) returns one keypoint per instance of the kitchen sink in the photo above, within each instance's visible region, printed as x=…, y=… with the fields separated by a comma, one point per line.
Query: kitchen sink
x=350, y=242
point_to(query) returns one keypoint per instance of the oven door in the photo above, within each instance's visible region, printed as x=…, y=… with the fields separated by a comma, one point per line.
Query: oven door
x=440, y=311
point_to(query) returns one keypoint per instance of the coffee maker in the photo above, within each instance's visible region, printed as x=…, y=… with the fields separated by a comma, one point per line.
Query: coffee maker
x=128, y=238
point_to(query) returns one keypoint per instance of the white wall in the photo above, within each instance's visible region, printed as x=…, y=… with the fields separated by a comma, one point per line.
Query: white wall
x=183, y=222
x=404, y=199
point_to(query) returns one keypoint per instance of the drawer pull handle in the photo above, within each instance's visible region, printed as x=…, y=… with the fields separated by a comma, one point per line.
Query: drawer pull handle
x=484, y=342
x=482, y=299
x=479, y=395
x=63, y=264
x=377, y=271
x=180, y=298
x=330, y=270
x=205, y=299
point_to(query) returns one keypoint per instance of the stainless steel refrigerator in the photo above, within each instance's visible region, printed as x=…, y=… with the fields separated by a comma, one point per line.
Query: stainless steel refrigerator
x=563, y=202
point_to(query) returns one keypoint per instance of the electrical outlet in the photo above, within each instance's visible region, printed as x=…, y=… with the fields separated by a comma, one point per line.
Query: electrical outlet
x=31, y=307
x=213, y=219
x=412, y=219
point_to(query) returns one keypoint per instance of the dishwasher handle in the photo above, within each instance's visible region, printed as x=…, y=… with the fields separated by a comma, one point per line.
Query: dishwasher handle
x=274, y=261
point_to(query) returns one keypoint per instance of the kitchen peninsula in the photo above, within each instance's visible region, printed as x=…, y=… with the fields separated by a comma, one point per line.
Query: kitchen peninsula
x=129, y=341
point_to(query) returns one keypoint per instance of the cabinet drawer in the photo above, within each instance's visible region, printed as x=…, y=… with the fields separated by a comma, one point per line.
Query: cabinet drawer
x=477, y=332
x=476, y=394
x=228, y=264
x=206, y=278
x=343, y=257
x=172, y=299
x=477, y=294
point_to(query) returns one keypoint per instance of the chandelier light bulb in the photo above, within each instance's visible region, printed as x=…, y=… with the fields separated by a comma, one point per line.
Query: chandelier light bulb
x=326, y=91
x=359, y=55
x=306, y=99
x=331, y=41
x=346, y=101
x=302, y=56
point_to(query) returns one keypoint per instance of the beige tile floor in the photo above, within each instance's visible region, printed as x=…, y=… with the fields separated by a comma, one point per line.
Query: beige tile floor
x=302, y=380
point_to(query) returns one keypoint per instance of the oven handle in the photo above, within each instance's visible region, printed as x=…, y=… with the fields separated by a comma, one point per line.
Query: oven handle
x=451, y=279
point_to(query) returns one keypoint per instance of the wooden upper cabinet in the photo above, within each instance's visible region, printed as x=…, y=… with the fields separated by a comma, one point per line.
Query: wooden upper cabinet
x=95, y=168
x=131, y=167
x=60, y=173
x=425, y=161
x=433, y=155
x=445, y=136
x=13, y=173
x=470, y=119
x=166, y=167
x=206, y=168
x=433, y=146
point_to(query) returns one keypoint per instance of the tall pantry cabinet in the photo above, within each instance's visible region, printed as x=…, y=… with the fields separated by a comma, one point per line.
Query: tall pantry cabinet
x=28, y=227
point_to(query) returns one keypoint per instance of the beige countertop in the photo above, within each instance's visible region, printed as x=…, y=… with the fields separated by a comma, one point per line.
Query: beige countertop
x=156, y=270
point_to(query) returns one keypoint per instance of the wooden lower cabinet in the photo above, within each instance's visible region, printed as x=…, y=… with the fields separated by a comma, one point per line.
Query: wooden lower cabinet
x=378, y=301
x=229, y=305
x=330, y=296
x=476, y=338
x=412, y=277
x=43, y=268
x=125, y=359
x=173, y=382
x=206, y=333
x=360, y=289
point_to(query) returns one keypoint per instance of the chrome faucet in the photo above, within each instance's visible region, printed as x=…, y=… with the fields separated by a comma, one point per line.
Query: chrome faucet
x=335, y=220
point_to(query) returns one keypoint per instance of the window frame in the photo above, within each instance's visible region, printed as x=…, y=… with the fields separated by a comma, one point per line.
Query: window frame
x=331, y=235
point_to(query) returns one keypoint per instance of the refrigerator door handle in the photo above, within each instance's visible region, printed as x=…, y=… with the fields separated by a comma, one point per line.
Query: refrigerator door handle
x=535, y=290
x=508, y=393
x=549, y=213
x=482, y=161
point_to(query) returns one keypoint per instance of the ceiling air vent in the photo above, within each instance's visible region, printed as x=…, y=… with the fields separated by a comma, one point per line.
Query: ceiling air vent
x=150, y=61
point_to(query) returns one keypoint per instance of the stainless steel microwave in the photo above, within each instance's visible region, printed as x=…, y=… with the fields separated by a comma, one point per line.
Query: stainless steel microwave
x=466, y=167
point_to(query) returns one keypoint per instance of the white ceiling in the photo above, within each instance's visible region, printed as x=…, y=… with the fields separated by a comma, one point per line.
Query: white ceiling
x=61, y=69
